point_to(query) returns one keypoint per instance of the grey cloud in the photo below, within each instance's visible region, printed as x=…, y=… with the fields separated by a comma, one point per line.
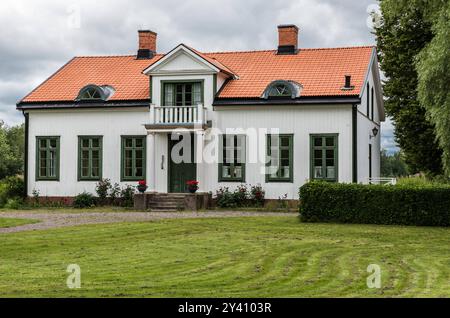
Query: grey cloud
x=39, y=37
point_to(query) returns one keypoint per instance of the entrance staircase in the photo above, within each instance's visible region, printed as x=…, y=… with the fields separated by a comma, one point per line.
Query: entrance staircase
x=166, y=202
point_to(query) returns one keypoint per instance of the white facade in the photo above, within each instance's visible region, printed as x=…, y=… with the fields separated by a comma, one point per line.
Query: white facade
x=299, y=120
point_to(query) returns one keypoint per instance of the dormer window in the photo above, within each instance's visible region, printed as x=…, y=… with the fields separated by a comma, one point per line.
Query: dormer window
x=282, y=89
x=93, y=92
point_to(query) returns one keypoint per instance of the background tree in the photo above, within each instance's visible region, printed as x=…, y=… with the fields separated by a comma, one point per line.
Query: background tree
x=11, y=150
x=404, y=31
x=393, y=165
x=434, y=80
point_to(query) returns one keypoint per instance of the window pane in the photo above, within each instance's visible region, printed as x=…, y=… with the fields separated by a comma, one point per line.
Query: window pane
x=85, y=143
x=318, y=172
x=285, y=154
x=53, y=143
x=226, y=172
x=197, y=91
x=52, y=164
x=330, y=141
x=285, y=141
x=331, y=172
x=139, y=142
x=330, y=154
x=168, y=95
x=238, y=172
x=128, y=142
x=43, y=143
x=318, y=154
x=96, y=142
x=318, y=141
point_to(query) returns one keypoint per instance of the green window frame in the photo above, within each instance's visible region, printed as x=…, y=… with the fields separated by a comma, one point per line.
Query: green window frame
x=133, y=158
x=232, y=156
x=280, y=158
x=47, y=158
x=90, y=158
x=324, y=157
x=182, y=93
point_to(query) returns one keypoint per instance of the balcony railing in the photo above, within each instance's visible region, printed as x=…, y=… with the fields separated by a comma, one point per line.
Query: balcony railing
x=387, y=181
x=177, y=115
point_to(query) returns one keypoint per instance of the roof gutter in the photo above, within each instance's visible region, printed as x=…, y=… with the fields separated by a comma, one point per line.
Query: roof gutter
x=297, y=101
x=82, y=105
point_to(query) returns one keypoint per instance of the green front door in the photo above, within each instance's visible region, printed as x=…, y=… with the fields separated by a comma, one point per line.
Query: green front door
x=182, y=167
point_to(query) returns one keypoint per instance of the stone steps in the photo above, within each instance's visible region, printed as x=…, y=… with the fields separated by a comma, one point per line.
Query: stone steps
x=167, y=202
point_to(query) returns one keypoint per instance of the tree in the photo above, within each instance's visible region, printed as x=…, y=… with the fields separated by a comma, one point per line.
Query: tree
x=393, y=165
x=404, y=31
x=433, y=67
x=11, y=150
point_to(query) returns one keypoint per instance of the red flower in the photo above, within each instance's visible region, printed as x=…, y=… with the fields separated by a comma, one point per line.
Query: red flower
x=192, y=183
x=142, y=183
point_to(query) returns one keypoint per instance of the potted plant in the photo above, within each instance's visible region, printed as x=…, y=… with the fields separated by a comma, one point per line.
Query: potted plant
x=192, y=186
x=142, y=186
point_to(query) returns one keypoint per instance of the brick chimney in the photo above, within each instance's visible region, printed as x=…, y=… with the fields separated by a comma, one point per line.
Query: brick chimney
x=147, y=44
x=287, y=39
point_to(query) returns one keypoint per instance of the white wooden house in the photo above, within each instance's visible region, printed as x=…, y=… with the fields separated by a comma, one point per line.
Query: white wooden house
x=277, y=118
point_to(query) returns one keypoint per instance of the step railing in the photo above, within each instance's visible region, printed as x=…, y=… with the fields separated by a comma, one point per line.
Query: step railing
x=177, y=115
x=386, y=181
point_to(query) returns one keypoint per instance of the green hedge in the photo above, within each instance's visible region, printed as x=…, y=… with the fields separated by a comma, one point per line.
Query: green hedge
x=375, y=204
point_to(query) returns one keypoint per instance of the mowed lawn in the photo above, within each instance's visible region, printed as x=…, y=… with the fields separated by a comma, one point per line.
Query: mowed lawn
x=11, y=222
x=227, y=257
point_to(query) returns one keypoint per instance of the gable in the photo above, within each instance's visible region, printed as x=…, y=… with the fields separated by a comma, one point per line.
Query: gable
x=181, y=62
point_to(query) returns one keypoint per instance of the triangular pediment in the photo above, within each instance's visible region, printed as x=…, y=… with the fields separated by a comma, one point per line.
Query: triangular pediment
x=181, y=60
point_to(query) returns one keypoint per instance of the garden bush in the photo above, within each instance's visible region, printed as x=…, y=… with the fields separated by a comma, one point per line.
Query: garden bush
x=127, y=194
x=240, y=197
x=11, y=188
x=84, y=200
x=14, y=204
x=375, y=204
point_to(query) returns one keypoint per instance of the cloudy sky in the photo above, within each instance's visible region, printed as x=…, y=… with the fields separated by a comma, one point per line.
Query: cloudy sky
x=37, y=37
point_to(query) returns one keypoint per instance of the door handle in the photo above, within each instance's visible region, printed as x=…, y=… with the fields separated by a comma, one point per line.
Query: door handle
x=162, y=162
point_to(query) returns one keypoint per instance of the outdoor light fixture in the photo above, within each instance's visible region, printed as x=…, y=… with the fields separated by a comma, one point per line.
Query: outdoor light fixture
x=374, y=132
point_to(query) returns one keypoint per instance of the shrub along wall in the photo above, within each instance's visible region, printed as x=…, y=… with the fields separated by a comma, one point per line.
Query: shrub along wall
x=375, y=204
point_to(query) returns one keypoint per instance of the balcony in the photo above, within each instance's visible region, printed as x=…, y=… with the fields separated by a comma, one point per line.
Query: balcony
x=169, y=118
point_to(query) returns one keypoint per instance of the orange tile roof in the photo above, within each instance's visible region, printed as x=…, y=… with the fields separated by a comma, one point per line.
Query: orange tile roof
x=320, y=71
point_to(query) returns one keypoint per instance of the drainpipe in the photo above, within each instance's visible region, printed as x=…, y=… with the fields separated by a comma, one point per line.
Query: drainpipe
x=25, y=169
x=355, y=143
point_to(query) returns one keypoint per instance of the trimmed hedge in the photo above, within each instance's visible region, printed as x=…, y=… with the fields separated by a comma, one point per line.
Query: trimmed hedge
x=375, y=204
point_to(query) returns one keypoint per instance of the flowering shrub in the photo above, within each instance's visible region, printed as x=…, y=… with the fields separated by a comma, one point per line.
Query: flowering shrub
x=240, y=197
x=257, y=195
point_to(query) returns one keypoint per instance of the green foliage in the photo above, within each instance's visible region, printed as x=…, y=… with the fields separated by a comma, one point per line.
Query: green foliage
x=102, y=188
x=127, y=194
x=257, y=195
x=423, y=181
x=434, y=81
x=240, y=197
x=14, y=204
x=394, y=165
x=405, y=30
x=11, y=150
x=225, y=198
x=114, y=193
x=11, y=188
x=84, y=200
x=375, y=204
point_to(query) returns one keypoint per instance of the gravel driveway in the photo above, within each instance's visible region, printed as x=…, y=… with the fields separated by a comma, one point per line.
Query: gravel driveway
x=55, y=219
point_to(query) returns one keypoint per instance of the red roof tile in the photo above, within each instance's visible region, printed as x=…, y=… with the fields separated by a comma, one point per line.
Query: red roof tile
x=320, y=72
